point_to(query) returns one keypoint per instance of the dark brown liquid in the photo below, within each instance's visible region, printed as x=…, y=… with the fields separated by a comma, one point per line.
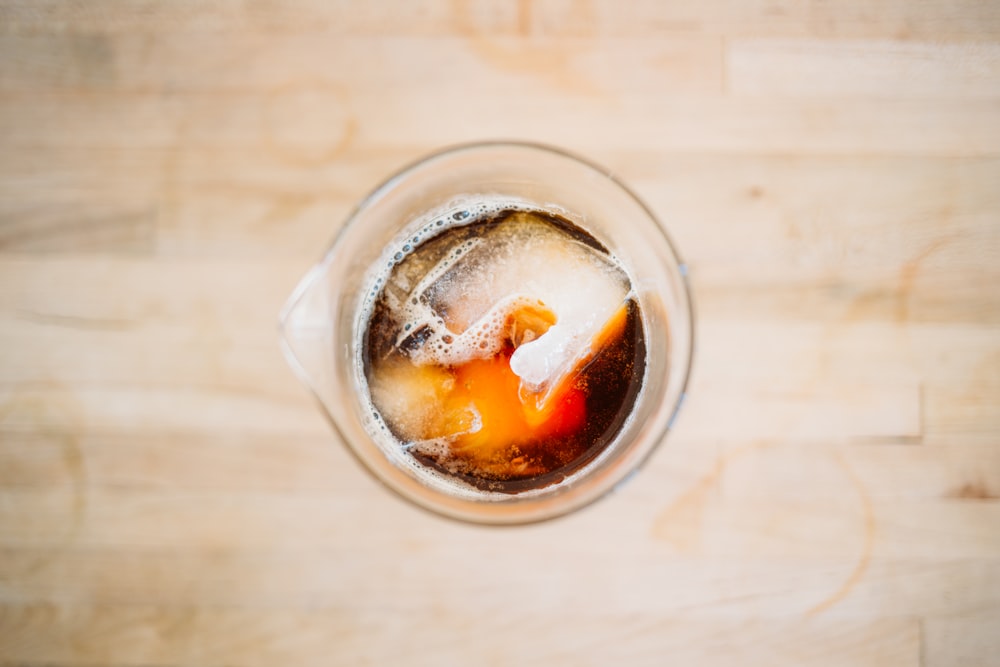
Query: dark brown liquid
x=596, y=398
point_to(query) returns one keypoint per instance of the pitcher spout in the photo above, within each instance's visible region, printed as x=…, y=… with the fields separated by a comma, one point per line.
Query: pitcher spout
x=306, y=330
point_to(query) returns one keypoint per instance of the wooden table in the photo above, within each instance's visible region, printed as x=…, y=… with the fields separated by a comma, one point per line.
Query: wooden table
x=170, y=495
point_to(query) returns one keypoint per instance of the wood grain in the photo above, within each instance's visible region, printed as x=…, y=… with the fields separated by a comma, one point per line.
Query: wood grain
x=966, y=19
x=830, y=494
x=172, y=635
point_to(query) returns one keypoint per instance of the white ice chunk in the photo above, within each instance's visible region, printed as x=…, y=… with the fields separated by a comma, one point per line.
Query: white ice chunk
x=542, y=362
x=522, y=261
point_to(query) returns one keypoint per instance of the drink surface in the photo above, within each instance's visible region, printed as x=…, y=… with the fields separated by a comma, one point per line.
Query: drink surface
x=503, y=347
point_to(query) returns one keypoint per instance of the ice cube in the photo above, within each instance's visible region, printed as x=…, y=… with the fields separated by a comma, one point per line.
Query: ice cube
x=412, y=400
x=461, y=306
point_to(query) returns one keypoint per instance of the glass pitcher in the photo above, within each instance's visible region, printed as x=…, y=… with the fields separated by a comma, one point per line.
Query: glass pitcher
x=322, y=323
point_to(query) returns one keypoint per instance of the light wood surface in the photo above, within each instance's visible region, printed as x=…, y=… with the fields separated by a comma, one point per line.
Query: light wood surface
x=170, y=495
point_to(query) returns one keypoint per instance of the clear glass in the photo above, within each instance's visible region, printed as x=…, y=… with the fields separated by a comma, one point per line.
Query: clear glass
x=322, y=323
